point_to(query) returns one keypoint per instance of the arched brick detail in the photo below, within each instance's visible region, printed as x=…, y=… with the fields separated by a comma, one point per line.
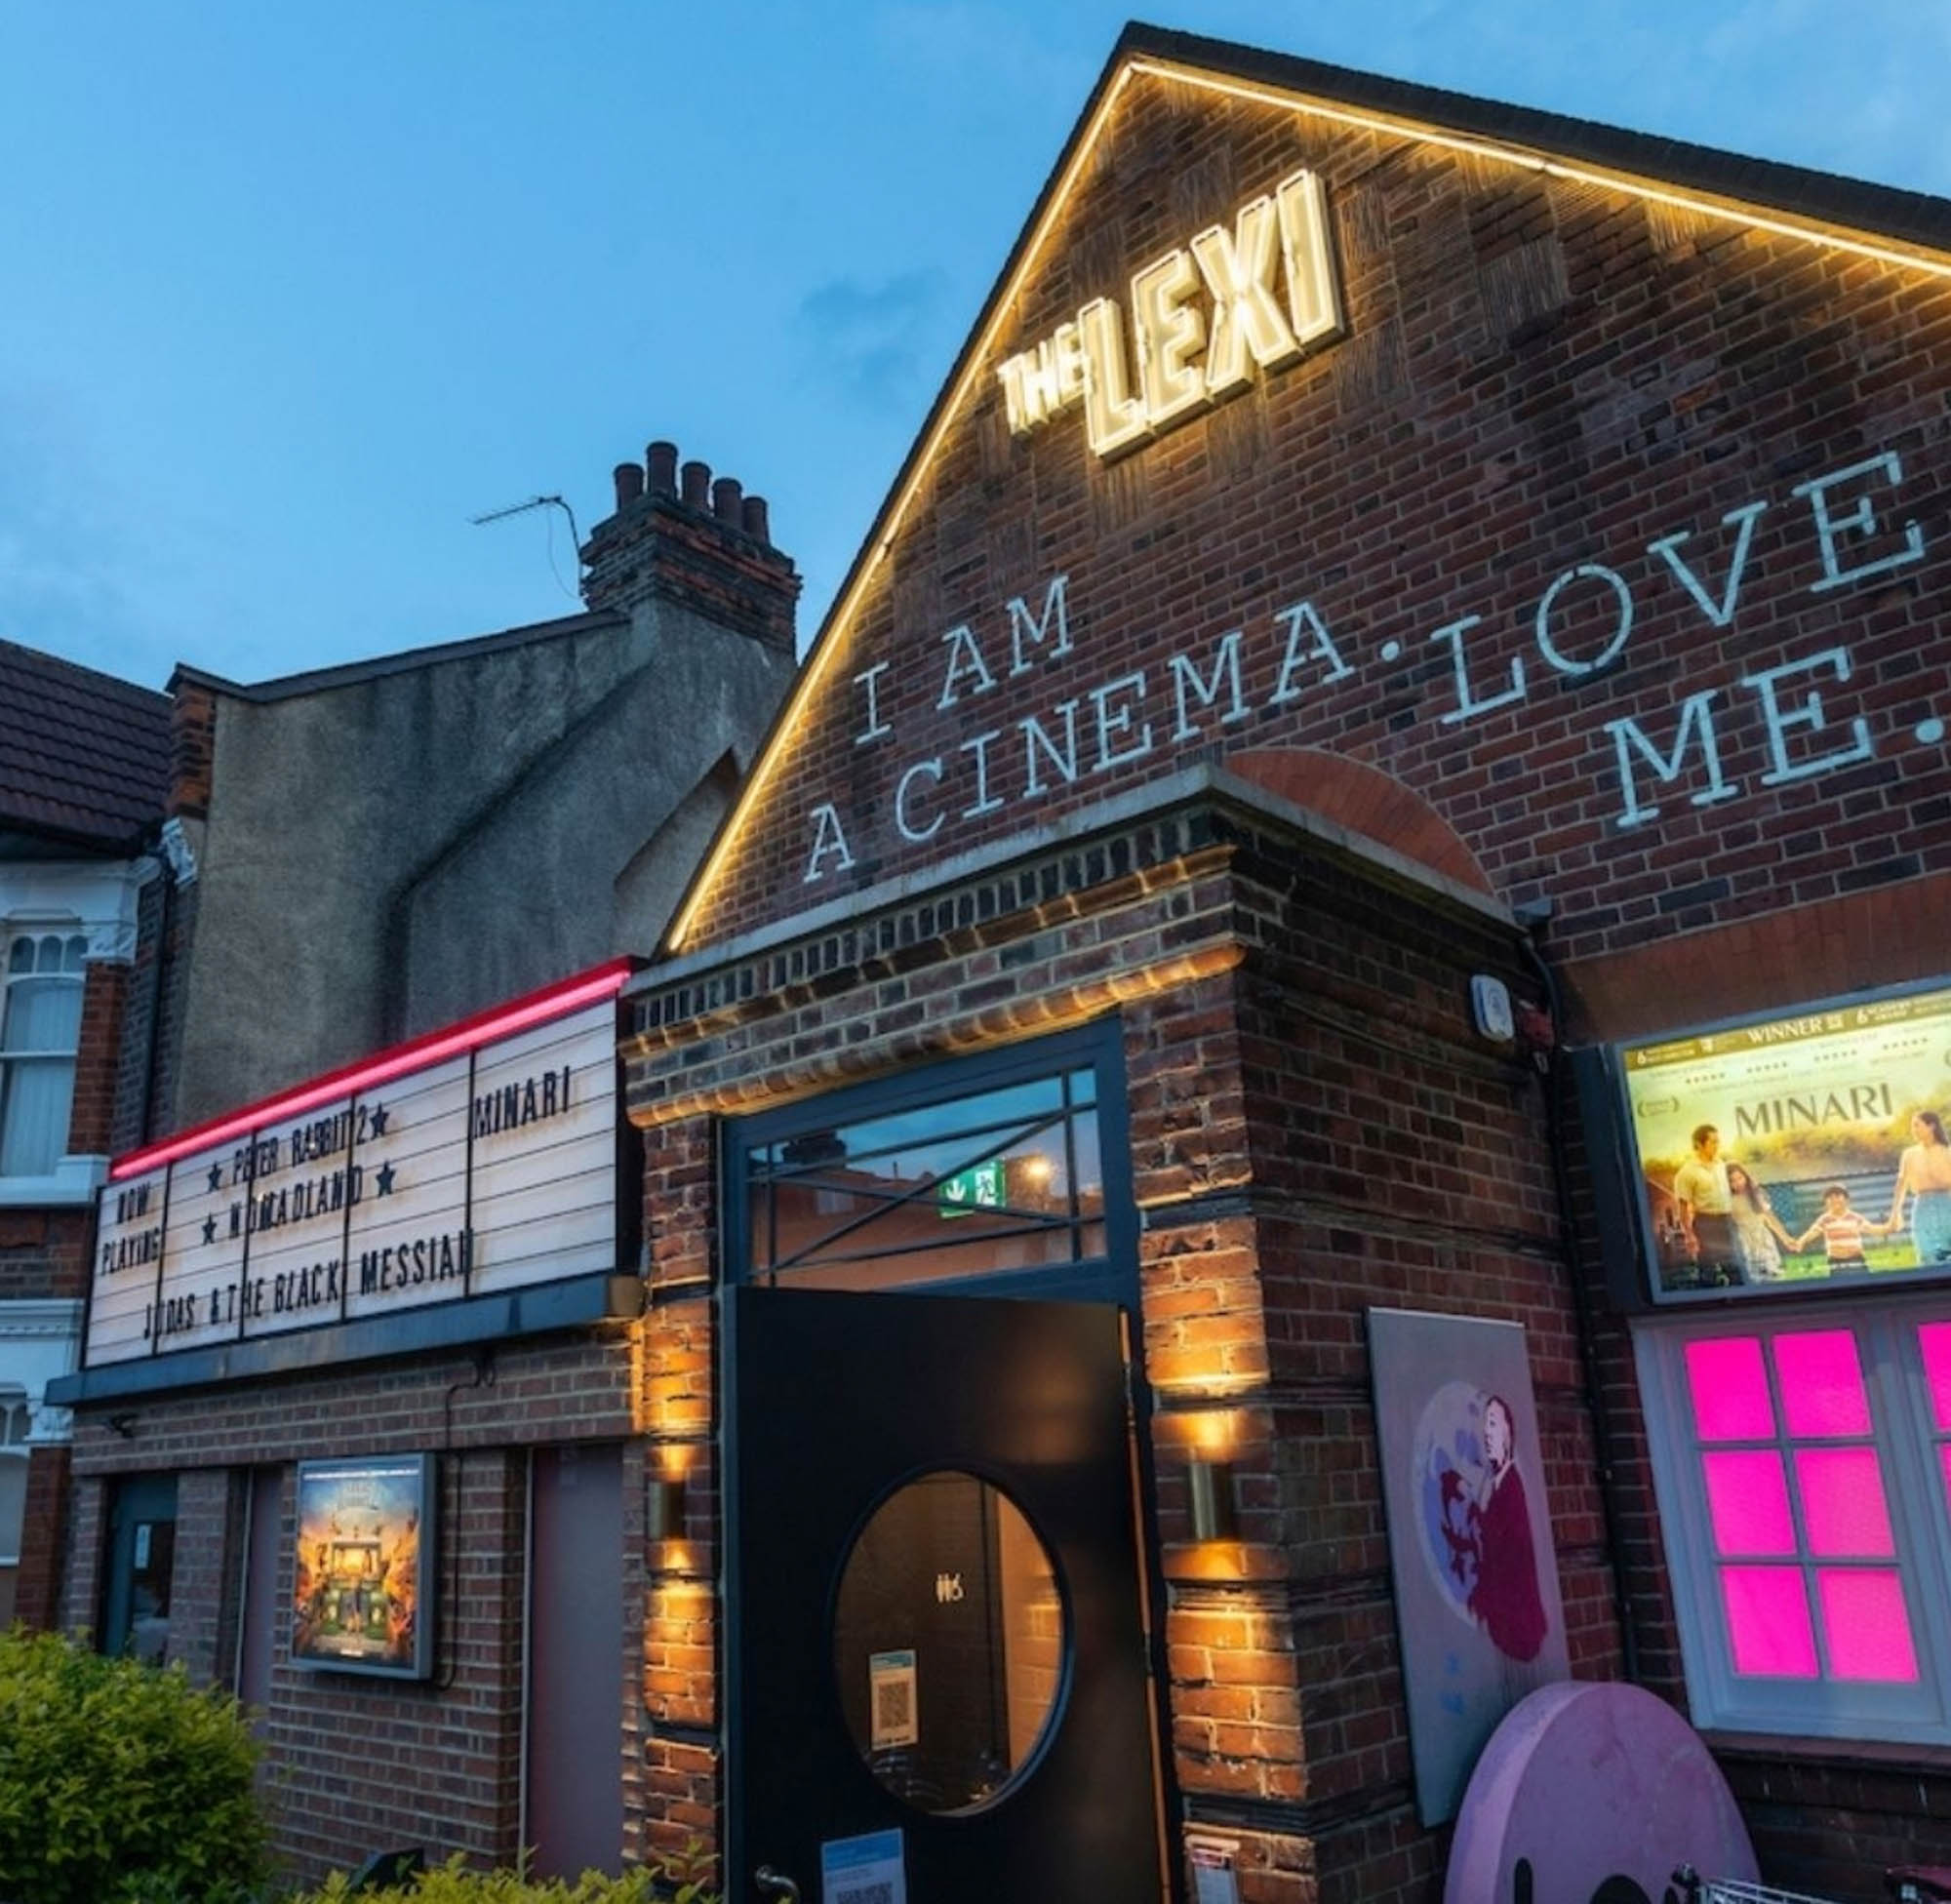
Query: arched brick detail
x=1366, y=800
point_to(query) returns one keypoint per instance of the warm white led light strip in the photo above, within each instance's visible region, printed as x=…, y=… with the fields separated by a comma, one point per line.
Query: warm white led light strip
x=1732, y=210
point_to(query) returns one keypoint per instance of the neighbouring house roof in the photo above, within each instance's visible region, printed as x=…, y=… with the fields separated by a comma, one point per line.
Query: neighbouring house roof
x=84, y=758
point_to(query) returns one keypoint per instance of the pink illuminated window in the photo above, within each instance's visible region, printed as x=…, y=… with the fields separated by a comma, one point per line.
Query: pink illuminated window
x=1767, y=1622
x=1868, y=1629
x=1822, y=1383
x=1729, y=1389
x=1747, y=1497
x=1934, y=1341
x=1808, y=1492
x=1842, y=1502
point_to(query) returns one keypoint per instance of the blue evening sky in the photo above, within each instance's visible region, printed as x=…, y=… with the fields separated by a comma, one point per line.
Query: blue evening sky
x=289, y=292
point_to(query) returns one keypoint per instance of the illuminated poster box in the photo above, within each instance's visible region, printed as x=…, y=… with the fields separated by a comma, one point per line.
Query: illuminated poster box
x=363, y=1567
x=1797, y=1151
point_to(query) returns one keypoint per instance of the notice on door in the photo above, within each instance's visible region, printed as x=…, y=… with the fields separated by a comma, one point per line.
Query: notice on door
x=870, y=1870
x=891, y=1696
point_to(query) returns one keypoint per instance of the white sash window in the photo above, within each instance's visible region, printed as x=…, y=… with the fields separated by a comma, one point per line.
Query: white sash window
x=40, y=1030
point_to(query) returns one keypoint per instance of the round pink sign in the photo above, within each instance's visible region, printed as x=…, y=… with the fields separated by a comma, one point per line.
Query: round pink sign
x=1593, y=1794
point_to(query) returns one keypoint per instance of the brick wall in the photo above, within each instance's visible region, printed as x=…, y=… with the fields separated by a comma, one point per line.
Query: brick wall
x=105, y=999
x=44, y=1252
x=37, y=1585
x=192, y=749
x=1825, y=1817
x=364, y=1765
x=1279, y=1006
x=1552, y=398
x=1537, y=375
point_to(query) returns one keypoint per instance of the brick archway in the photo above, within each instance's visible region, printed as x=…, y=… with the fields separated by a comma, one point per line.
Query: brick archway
x=1366, y=800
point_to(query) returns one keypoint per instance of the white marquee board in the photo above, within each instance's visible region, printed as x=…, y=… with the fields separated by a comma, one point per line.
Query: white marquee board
x=486, y=1171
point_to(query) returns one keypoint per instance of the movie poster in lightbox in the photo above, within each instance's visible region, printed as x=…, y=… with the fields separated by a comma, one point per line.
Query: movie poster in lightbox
x=1470, y=1548
x=1797, y=1151
x=364, y=1569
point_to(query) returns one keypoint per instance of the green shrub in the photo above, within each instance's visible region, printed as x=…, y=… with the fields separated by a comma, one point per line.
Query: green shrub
x=120, y=1783
x=453, y=1882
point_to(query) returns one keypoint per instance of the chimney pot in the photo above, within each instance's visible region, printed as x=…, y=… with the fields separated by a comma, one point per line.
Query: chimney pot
x=697, y=484
x=726, y=494
x=660, y=459
x=756, y=524
x=629, y=484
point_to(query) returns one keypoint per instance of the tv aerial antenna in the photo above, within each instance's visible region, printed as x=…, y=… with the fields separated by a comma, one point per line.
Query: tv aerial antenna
x=539, y=502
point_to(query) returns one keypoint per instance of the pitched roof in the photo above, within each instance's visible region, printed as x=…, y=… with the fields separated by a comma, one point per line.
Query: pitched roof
x=83, y=756
x=1825, y=204
x=1878, y=221
x=350, y=674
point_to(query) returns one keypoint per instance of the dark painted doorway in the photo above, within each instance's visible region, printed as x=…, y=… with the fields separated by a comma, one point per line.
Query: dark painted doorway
x=263, y=1547
x=142, y=1556
x=935, y=1595
x=576, y=1661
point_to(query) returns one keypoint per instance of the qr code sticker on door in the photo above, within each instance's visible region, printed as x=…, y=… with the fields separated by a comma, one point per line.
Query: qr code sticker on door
x=893, y=1708
x=891, y=1695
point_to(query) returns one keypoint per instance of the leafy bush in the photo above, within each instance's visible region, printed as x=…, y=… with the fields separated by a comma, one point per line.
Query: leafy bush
x=120, y=1783
x=453, y=1882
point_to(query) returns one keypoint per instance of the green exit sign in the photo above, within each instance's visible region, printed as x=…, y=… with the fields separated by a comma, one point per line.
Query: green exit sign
x=980, y=1187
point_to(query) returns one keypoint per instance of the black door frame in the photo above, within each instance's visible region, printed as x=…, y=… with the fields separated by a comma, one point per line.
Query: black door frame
x=1112, y=1278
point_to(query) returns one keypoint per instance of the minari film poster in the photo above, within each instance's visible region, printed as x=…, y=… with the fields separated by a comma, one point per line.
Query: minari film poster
x=1809, y=1147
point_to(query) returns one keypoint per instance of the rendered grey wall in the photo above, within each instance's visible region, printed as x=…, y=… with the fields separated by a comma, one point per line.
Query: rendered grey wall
x=390, y=854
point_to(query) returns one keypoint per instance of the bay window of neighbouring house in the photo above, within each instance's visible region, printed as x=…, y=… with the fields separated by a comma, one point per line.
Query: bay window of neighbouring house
x=1804, y=1473
x=40, y=1029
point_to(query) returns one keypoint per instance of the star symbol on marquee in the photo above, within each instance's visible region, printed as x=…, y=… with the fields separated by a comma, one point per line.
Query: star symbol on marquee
x=217, y=1177
x=384, y=1180
x=375, y=1124
x=210, y=1229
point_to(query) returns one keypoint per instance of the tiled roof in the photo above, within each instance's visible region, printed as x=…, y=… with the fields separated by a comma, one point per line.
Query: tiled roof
x=83, y=756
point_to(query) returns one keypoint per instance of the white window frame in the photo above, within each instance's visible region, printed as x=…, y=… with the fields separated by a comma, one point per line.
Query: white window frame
x=65, y=932
x=1905, y=1439
x=100, y=898
x=16, y=1422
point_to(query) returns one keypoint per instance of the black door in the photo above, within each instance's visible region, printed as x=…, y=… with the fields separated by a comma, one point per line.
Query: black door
x=936, y=1591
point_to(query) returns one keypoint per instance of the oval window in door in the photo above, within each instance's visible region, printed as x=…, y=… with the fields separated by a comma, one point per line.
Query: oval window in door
x=949, y=1640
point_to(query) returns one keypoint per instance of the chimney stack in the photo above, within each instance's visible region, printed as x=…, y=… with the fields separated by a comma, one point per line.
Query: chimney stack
x=679, y=536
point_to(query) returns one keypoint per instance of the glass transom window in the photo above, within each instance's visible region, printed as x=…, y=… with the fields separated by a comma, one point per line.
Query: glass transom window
x=917, y=1182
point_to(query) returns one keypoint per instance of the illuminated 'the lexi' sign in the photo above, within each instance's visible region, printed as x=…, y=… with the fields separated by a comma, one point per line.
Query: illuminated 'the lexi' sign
x=471, y=1162
x=1205, y=320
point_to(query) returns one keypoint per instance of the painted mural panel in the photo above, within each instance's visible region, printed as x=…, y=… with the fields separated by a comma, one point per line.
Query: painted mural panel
x=1470, y=1547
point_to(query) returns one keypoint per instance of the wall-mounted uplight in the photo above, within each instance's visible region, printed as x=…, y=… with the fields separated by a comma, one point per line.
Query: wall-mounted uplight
x=1209, y=1489
x=664, y=1507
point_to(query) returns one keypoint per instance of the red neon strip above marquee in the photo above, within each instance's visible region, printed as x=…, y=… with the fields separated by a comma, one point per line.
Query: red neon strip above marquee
x=555, y=1001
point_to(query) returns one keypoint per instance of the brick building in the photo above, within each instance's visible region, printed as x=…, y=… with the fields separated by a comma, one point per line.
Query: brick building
x=83, y=759
x=1385, y=741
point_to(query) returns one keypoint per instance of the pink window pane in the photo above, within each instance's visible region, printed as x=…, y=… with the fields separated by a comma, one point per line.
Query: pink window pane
x=1822, y=1383
x=1842, y=1502
x=1934, y=1340
x=1729, y=1389
x=1747, y=1498
x=1769, y=1633
x=1865, y=1624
